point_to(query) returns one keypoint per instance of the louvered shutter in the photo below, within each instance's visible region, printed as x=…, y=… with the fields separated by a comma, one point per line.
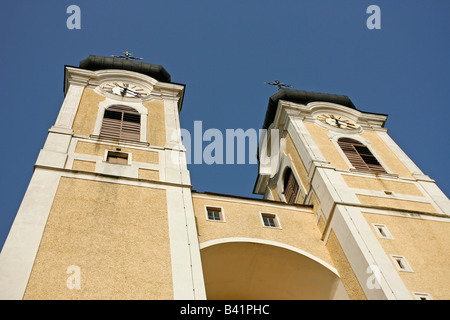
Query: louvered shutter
x=290, y=187
x=360, y=156
x=121, y=122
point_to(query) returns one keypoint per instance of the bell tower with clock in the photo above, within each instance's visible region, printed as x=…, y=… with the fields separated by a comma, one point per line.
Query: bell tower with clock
x=382, y=219
x=108, y=212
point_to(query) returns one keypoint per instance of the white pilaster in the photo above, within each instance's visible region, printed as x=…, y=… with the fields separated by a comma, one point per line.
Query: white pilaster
x=21, y=246
x=187, y=271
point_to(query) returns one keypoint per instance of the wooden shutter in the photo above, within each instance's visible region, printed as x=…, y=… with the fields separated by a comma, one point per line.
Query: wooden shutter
x=360, y=156
x=290, y=187
x=121, y=122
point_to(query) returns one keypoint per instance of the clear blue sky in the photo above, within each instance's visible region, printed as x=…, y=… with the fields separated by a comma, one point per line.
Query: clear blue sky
x=224, y=51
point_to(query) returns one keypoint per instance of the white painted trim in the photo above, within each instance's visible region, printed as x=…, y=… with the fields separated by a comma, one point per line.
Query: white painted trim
x=187, y=272
x=363, y=250
x=306, y=209
x=406, y=267
x=210, y=243
x=21, y=247
x=384, y=229
x=419, y=295
x=307, y=148
x=69, y=107
x=222, y=213
x=139, y=107
x=423, y=216
x=275, y=216
x=401, y=155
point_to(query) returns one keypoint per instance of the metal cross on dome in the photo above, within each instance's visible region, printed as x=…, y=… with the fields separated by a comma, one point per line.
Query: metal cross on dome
x=278, y=84
x=127, y=56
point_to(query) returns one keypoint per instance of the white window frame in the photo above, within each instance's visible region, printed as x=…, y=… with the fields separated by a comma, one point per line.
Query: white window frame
x=105, y=156
x=139, y=107
x=272, y=215
x=222, y=213
x=405, y=267
x=420, y=295
x=384, y=233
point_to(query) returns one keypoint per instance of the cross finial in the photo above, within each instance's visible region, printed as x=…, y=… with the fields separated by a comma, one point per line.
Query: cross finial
x=127, y=56
x=278, y=84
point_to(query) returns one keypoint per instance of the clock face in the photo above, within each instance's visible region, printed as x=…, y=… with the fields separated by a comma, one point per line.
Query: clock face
x=125, y=89
x=337, y=121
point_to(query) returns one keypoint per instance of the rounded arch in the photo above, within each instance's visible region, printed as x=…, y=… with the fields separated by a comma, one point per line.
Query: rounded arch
x=121, y=107
x=256, y=269
x=135, y=108
x=121, y=122
x=360, y=155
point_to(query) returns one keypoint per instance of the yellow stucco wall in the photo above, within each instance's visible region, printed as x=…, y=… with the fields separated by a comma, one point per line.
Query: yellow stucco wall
x=298, y=228
x=98, y=149
x=331, y=154
x=84, y=121
x=86, y=115
x=380, y=184
x=387, y=156
x=326, y=146
x=156, y=126
x=148, y=174
x=116, y=234
x=83, y=165
x=396, y=203
x=426, y=246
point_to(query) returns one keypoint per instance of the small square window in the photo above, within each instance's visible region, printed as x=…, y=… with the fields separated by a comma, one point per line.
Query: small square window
x=422, y=296
x=401, y=263
x=117, y=157
x=270, y=220
x=382, y=231
x=214, y=214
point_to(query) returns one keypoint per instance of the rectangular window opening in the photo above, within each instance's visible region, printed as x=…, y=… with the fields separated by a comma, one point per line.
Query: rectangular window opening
x=402, y=264
x=382, y=231
x=214, y=214
x=422, y=296
x=270, y=220
x=117, y=157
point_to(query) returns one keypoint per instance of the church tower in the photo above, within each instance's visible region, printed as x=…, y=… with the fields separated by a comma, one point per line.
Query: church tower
x=384, y=222
x=108, y=212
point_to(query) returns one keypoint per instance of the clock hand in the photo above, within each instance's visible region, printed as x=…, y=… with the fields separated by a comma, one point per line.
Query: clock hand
x=133, y=91
x=336, y=120
x=128, y=90
x=136, y=94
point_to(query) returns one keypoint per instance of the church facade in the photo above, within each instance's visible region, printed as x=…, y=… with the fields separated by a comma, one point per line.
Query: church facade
x=110, y=211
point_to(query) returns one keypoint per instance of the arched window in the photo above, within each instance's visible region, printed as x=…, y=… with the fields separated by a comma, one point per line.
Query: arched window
x=121, y=122
x=360, y=156
x=290, y=186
